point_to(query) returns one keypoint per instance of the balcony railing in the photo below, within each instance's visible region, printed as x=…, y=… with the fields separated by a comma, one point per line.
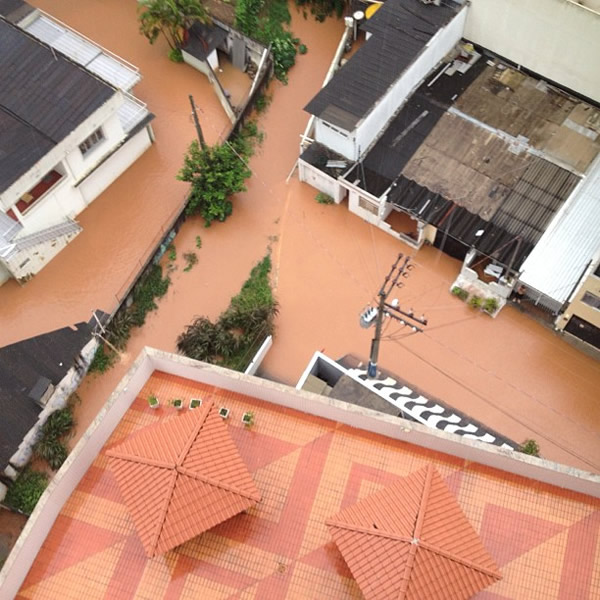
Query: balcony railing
x=131, y=112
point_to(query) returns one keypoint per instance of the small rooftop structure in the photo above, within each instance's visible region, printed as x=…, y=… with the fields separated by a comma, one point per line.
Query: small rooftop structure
x=401, y=30
x=411, y=540
x=181, y=477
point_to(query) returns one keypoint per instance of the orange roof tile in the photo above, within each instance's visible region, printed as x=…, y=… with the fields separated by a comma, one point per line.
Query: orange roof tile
x=411, y=540
x=180, y=477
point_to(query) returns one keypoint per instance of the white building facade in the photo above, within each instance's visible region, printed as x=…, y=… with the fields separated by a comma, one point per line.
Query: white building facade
x=38, y=209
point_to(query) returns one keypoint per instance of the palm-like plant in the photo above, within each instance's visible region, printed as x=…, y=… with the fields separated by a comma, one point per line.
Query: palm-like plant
x=170, y=18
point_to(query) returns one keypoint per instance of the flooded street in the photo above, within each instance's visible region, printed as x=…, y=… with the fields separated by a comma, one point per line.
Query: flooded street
x=509, y=372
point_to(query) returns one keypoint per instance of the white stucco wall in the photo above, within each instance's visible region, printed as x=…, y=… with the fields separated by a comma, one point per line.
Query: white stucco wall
x=335, y=138
x=437, y=48
x=105, y=114
x=61, y=202
x=321, y=181
x=80, y=164
x=116, y=164
x=558, y=39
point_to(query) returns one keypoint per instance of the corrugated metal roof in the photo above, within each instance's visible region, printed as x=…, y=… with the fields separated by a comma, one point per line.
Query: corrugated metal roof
x=411, y=540
x=571, y=241
x=401, y=29
x=180, y=477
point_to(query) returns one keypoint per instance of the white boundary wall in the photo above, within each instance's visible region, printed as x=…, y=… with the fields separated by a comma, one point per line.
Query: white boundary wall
x=558, y=39
x=83, y=455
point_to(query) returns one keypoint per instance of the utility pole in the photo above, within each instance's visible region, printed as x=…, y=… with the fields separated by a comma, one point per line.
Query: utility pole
x=197, y=124
x=392, y=310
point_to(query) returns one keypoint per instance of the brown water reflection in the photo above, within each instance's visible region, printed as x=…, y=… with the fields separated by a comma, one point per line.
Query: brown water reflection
x=509, y=372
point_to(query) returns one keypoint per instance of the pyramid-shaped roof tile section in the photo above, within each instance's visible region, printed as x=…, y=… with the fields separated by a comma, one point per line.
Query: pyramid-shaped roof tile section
x=411, y=540
x=181, y=477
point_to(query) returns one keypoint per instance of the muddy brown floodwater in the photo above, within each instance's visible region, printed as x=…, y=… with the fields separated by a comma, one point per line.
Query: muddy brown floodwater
x=509, y=372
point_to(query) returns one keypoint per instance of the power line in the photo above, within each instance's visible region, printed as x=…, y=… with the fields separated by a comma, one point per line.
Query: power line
x=500, y=409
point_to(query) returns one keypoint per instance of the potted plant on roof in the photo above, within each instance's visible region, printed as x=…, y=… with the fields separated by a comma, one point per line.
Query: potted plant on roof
x=177, y=403
x=248, y=419
x=224, y=412
x=153, y=401
x=195, y=403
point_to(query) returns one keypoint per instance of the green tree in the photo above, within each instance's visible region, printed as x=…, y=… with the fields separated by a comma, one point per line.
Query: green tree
x=215, y=173
x=170, y=18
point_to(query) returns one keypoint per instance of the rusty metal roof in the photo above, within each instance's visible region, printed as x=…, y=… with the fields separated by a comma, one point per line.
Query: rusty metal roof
x=411, y=541
x=181, y=477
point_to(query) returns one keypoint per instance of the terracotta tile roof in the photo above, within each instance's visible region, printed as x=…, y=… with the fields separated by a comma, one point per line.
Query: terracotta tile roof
x=411, y=540
x=180, y=477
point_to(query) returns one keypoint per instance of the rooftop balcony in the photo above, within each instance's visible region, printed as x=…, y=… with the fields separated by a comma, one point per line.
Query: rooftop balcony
x=110, y=67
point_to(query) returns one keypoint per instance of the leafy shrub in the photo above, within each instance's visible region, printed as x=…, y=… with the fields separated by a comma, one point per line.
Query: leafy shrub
x=265, y=21
x=460, y=293
x=302, y=49
x=215, y=173
x=175, y=55
x=119, y=329
x=322, y=198
x=172, y=252
x=190, y=259
x=198, y=242
x=530, y=447
x=262, y=103
x=59, y=423
x=233, y=340
x=475, y=301
x=53, y=451
x=103, y=360
x=150, y=287
x=49, y=447
x=25, y=492
x=490, y=305
x=321, y=9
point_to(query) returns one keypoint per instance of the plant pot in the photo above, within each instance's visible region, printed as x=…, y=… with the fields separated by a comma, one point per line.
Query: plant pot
x=224, y=412
x=248, y=419
x=177, y=403
x=195, y=403
x=153, y=402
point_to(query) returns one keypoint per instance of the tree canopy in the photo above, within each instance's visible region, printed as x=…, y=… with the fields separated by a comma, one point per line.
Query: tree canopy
x=170, y=18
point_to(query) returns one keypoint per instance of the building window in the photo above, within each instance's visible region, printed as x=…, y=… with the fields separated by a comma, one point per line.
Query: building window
x=91, y=141
x=368, y=206
x=591, y=300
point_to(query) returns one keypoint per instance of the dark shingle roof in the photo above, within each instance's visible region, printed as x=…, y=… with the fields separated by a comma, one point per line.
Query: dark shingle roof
x=401, y=29
x=23, y=366
x=43, y=98
x=203, y=39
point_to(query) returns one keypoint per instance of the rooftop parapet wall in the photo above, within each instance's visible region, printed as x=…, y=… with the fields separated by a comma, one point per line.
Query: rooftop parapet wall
x=558, y=39
x=86, y=451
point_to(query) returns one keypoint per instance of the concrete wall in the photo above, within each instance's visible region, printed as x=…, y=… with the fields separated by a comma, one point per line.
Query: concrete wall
x=115, y=165
x=321, y=181
x=343, y=142
x=61, y=202
x=558, y=39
